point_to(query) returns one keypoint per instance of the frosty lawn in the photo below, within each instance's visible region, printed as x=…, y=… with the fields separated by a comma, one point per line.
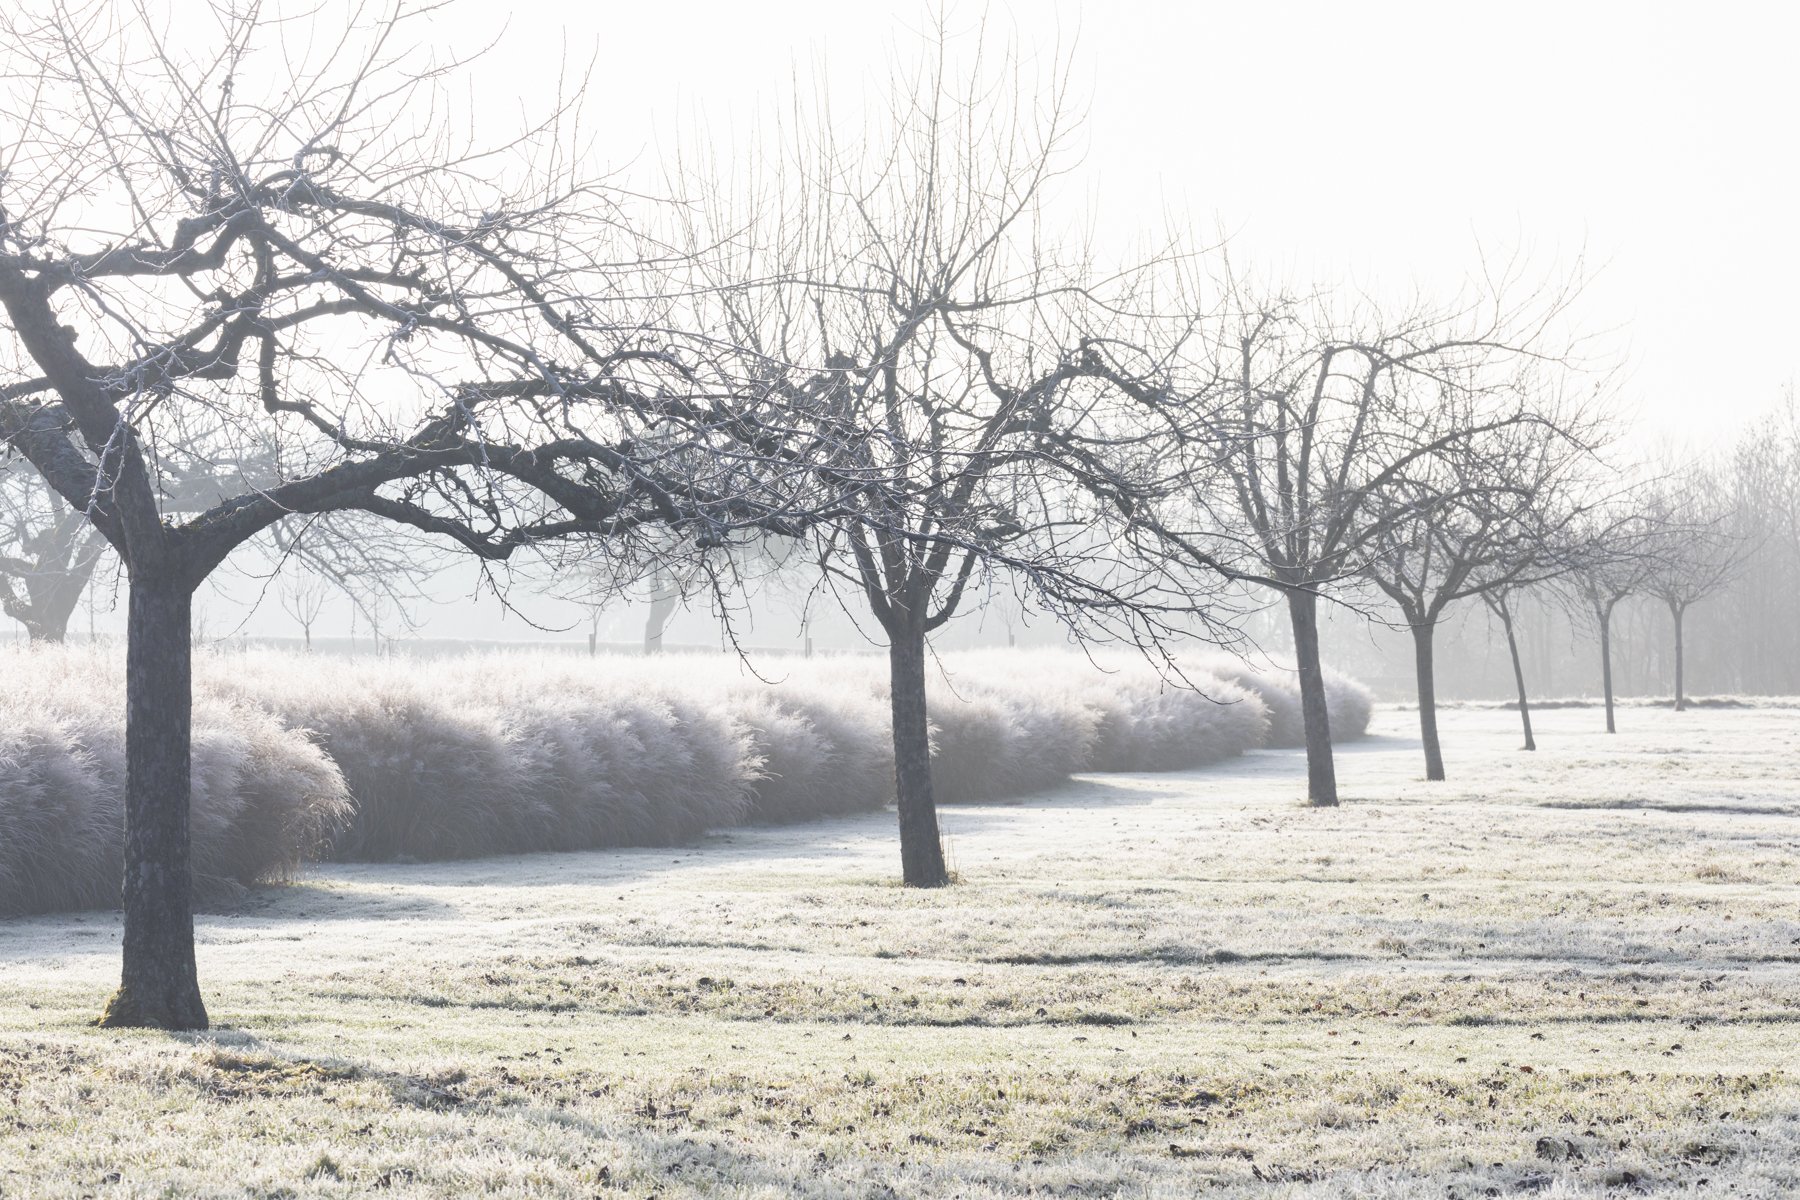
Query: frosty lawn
x=1559, y=973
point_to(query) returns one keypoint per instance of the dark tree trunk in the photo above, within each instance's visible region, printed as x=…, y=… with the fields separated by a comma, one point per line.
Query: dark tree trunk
x=1321, y=772
x=1428, y=730
x=1678, y=612
x=921, y=849
x=1606, y=682
x=1512, y=646
x=159, y=986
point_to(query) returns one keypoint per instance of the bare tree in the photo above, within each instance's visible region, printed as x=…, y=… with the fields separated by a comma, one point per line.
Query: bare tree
x=1610, y=556
x=1482, y=515
x=249, y=242
x=1314, y=415
x=48, y=552
x=1694, y=554
x=1500, y=600
x=965, y=376
x=303, y=598
x=378, y=566
x=595, y=610
x=591, y=576
x=1760, y=634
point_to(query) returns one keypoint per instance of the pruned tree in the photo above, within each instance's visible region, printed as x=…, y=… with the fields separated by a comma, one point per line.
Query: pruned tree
x=1695, y=553
x=243, y=237
x=984, y=398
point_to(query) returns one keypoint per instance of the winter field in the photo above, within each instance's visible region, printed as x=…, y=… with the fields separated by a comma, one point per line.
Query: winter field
x=1575, y=973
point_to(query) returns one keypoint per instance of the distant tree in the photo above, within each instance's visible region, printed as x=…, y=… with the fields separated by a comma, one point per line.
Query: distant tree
x=259, y=239
x=595, y=610
x=1499, y=601
x=383, y=570
x=1318, y=416
x=1504, y=604
x=665, y=598
x=1694, y=552
x=303, y=598
x=1765, y=601
x=1482, y=515
x=1760, y=634
x=1610, y=556
x=48, y=553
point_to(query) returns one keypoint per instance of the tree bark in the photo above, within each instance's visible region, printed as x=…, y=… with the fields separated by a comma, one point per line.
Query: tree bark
x=1321, y=772
x=1678, y=612
x=1606, y=681
x=159, y=986
x=1428, y=730
x=921, y=848
x=1512, y=646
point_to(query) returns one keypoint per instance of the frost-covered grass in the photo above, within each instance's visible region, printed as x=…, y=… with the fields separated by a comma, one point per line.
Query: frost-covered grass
x=1574, y=973
x=383, y=759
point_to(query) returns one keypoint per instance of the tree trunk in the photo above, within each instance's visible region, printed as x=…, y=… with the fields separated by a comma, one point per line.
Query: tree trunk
x=921, y=849
x=1512, y=646
x=48, y=609
x=1321, y=772
x=159, y=986
x=41, y=634
x=1678, y=611
x=1606, y=683
x=57, y=607
x=1428, y=730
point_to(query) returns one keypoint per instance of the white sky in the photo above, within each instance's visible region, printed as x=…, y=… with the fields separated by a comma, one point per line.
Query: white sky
x=1373, y=143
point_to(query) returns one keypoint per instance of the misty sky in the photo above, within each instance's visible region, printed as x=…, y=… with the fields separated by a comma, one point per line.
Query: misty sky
x=1378, y=144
